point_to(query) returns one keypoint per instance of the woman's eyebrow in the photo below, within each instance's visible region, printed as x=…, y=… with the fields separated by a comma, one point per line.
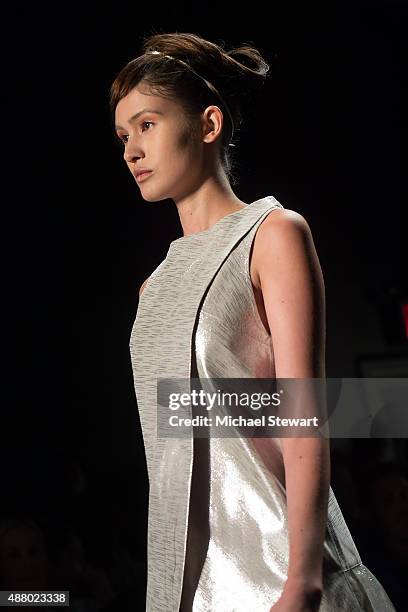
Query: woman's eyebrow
x=136, y=115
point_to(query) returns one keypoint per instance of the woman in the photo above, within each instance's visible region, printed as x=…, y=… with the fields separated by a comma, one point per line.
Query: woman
x=234, y=524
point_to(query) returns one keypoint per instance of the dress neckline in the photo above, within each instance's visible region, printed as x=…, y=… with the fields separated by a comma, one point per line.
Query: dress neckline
x=210, y=229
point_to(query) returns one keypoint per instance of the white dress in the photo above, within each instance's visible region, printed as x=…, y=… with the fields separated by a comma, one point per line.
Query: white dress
x=197, y=316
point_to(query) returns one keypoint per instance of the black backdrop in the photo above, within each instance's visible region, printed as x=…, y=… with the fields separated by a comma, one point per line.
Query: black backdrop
x=327, y=139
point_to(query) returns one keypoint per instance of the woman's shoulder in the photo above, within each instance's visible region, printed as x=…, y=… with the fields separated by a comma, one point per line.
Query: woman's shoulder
x=281, y=226
x=283, y=237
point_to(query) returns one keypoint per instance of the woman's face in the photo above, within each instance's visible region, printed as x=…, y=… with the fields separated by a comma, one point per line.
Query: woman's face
x=159, y=140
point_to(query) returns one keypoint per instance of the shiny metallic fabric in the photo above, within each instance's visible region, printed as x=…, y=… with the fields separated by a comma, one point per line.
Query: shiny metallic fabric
x=197, y=316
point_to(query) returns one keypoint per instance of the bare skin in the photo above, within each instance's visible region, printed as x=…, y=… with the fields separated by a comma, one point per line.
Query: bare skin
x=185, y=169
x=288, y=289
x=288, y=280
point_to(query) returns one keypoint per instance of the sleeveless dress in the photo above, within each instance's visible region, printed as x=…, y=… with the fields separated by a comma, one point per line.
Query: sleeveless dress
x=197, y=317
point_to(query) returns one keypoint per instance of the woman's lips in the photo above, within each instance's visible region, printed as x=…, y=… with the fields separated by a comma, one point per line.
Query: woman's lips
x=143, y=175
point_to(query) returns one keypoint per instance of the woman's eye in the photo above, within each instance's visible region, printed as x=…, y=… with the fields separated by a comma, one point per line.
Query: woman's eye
x=122, y=138
x=146, y=122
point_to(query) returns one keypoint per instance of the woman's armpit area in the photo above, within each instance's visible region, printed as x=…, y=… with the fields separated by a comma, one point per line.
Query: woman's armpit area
x=269, y=450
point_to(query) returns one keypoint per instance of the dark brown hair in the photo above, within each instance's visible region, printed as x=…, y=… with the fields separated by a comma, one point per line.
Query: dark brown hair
x=236, y=74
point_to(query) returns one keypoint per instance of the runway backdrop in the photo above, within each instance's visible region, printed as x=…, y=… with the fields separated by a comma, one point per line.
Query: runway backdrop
x=327, y=139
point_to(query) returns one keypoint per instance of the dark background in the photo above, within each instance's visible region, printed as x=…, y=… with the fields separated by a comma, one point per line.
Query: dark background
x=327, y=140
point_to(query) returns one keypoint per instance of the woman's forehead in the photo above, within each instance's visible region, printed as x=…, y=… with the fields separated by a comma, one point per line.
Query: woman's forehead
x=136, y=102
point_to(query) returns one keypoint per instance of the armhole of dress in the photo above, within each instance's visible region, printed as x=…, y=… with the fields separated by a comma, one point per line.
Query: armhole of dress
x=251, y=240
x=150, y=279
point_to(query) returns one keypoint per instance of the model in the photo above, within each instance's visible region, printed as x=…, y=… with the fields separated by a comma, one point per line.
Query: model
x=236, y=524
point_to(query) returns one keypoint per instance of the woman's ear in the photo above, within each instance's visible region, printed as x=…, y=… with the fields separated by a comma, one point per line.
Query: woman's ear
x=212, y=122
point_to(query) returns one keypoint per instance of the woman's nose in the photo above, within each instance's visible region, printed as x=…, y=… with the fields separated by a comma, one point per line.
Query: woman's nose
x=130, y=156
x=132, y=151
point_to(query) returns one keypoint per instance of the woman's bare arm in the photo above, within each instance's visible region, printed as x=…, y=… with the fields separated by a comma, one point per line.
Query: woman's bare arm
x=291, y=281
